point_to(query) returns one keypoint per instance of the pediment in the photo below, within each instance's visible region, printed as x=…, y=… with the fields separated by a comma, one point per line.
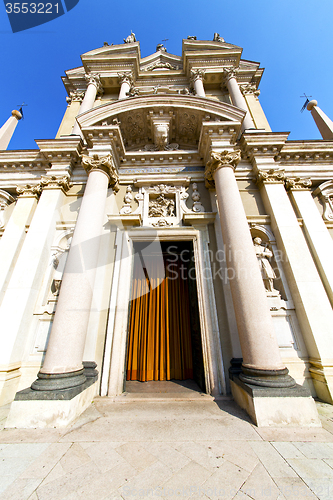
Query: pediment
x=134, y=117
x=161, y=61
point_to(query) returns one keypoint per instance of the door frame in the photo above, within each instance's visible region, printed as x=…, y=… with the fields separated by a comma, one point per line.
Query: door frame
x=114, y=363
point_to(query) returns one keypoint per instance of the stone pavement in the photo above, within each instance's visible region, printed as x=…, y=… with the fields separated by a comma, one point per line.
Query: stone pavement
x=150, y=448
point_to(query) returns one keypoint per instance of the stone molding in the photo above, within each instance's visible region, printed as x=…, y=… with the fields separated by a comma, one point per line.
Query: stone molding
x=54, y=182
x=104, y=164
x=29, y=191
x=272, y=176
x=297, y=184
x=219, y=160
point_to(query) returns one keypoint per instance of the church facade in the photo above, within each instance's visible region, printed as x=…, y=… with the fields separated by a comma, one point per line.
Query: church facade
x=166, y=233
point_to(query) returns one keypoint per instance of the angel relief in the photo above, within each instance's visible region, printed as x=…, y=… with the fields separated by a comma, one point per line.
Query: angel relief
x=161, y=207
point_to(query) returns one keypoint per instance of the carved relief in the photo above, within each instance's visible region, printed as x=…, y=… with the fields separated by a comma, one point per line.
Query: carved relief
x=187, y=126
x=161, y=207
x=225, y=158
x=160, y=65
x=162, y=223
x=133, y=127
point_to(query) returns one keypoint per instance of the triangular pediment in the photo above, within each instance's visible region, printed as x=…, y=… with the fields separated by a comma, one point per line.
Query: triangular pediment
x=161, y=61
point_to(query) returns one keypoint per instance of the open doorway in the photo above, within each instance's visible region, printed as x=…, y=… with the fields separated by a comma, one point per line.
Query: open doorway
x=164, y=337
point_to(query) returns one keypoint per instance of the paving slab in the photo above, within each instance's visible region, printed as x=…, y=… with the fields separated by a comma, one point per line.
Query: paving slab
x=168, y=448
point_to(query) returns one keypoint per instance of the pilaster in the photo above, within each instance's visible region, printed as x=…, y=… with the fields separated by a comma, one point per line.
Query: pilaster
x=305, y=284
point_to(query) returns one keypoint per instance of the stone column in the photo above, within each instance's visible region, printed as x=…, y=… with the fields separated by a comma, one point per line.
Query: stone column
x=197, y=78
x=126, y=81
x=316, y=232
x=62, y=368
x=313, y=309
x=15, y=231
x=237, y=97
x=323, y=122
x=262, y=363
x=94, y=86
x=7, y=130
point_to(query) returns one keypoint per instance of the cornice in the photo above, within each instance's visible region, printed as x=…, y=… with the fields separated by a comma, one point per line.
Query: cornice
x=262, y=144
x=215, y=134
x=66, y=149
x=22, y=160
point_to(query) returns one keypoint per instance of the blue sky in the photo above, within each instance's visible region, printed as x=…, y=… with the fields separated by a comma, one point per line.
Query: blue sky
x=291, y=39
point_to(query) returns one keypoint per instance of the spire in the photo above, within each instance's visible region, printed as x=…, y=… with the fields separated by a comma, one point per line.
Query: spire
x=324, y=124
x=7, y=130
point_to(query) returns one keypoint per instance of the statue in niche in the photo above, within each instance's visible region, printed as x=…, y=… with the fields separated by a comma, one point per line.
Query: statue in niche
x=161, y=207
x=267, y=272
x=131, y=38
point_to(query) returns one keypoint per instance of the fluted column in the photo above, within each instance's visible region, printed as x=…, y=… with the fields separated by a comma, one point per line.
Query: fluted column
x=237, y=97
x=62, y=367
x=126, y=82
x=262, y=363
x=7, y=130
x=197, y=78
x=94, y=86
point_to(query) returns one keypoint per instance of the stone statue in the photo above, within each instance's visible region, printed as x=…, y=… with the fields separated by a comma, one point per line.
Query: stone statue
x=160, y=47
x=190, y=37
x=131, y=38
x=267, y=272
x=217, y=38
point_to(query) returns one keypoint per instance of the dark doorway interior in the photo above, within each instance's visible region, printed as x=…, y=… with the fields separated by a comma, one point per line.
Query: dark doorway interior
x=164, y=340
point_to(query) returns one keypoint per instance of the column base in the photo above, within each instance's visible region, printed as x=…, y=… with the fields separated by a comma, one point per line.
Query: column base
x=276, y=407
x=28, y=413
x=267, y=378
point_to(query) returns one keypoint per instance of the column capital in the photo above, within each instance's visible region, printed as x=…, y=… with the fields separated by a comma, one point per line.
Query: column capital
x=104, y=164
x=249, y=89
x=126, y=77
x=219, y=160
x=298, y=183
x=197, y=74
x=54, y=182
x=29, y=191
x=5, y=200
x=75, y=96
x=272, y=176
x=229, y=73
x=94, y=79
